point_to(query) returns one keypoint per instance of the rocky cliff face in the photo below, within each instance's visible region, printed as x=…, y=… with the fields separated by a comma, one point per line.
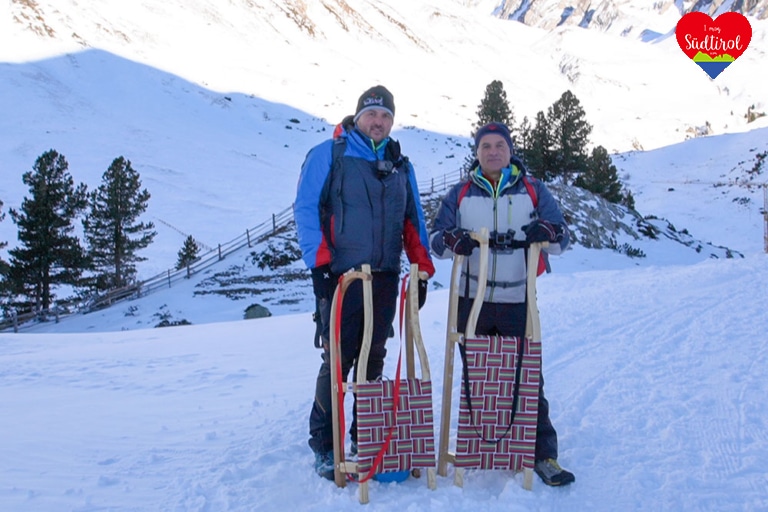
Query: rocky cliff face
x=617, y=15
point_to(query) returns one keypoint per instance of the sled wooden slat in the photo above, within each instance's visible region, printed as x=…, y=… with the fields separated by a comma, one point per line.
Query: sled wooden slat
x=341, y=466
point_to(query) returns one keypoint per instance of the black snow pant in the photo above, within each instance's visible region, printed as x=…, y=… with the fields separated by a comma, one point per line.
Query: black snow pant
x=385, y=289
x=500, y=319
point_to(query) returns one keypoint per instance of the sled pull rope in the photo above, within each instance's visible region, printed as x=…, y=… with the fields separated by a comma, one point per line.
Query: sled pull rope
x=396, y=391
x=337, y=329
x=395, y=397
x=515, y=394
x=518, y=368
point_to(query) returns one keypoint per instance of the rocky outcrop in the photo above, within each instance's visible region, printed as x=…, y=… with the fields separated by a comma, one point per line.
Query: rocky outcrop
x=598, y=224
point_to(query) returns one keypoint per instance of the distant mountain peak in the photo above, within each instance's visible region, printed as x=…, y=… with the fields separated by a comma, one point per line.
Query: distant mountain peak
x=617, y=16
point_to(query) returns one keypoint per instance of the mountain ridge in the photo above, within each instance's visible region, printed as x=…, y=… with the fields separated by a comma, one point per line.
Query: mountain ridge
x=618, y=16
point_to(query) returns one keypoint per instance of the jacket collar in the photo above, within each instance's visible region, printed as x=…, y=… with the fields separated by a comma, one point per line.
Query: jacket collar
x=509, y=176
x=355, y=136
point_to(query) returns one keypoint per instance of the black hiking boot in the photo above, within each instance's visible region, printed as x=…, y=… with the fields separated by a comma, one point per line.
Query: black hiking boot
x=552, y=474
x=324, y=465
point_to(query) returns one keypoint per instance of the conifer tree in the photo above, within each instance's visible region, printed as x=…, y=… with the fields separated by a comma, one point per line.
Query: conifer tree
x=539, y=157
x=3, y=265
x=49, y=254
x=188, y=253
x=469, y=163
x=112, y=229
x=494, y=107
x=523, y=141
x=570, y=135
x=601, y=176
x=628, y=200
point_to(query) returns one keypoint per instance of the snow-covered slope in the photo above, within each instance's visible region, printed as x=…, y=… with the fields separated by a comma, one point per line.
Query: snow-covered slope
x=216, y=104
x=213, y=103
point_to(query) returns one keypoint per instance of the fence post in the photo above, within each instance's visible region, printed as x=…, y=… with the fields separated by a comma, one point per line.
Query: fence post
x=274, y=224
x=169, y=278
x=56, y=313
x=220, y=258
x=248, y=236
x=15, y=317
x=189, y=272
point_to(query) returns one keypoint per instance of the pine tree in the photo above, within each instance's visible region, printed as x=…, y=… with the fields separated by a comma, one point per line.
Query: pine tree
x=628, y=200
x=494, y=107
x=4, y=285
x=470, y=162
x=524, y=138
x=112, y=230
x=539, y=157
x=570, y=135
x=601, y=176
x=188, y=253
x=49, y=254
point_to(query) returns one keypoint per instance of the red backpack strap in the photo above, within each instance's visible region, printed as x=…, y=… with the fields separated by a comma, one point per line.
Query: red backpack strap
x=535, y=200
x=531, y=191
x=463, y=192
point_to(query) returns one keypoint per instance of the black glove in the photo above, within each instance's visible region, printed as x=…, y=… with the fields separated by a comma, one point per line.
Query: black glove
x=323, y=283
x=423, y=285
x=459, y=241
x=542, y=231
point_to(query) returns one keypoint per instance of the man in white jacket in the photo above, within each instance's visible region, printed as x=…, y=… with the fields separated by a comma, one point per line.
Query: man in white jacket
x=518, y=210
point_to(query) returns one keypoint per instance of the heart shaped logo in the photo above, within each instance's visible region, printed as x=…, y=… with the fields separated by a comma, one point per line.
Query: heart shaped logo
x=713, y=44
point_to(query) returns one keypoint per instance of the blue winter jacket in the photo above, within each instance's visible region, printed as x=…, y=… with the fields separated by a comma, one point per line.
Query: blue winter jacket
x=349, y=213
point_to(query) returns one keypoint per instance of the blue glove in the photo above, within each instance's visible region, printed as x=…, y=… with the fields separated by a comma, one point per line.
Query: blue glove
x=459, y=241
x=542, y=231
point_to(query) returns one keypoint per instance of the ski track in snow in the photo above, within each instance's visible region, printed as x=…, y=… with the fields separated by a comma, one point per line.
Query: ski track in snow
x=669, y=380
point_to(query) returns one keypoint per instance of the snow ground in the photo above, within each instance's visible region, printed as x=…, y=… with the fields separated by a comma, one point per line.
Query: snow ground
x=654, y=367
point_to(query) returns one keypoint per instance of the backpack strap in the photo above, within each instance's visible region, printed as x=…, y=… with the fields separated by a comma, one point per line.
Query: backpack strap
x=339, y=146
x=531, y=191
x=463, y=192
x=543, y=263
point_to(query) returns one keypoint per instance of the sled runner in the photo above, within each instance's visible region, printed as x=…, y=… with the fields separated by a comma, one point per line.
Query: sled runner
x=500, y=384
x=395, y=425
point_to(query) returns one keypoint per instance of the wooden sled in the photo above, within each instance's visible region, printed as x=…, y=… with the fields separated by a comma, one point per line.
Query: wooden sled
x=497, y=427
x=392, y=435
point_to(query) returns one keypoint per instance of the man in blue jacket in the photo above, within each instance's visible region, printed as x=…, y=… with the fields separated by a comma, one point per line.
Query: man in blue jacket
x=517, y=209
x=357, y=202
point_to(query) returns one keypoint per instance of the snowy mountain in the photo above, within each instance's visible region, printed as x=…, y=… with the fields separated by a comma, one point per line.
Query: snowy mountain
x=621, y=17
x=216, y=105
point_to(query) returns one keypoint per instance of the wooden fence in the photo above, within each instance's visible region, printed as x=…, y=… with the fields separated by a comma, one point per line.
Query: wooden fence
x=257, y=234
